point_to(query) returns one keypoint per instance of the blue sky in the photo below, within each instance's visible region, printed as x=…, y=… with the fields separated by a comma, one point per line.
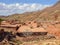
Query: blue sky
x=8, y=7
x=29, y=1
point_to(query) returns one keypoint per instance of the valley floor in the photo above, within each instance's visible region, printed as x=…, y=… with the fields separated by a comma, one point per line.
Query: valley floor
x=43, y=42
x=34, y=42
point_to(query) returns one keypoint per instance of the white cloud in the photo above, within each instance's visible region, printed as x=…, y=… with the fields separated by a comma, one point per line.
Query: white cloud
x=8, y=9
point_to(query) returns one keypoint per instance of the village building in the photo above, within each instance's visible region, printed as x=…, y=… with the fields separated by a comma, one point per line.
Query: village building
x=31, y=31
x=5, y=23
x=7, y=26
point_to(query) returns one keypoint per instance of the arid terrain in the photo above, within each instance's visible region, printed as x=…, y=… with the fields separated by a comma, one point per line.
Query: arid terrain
x=31, y=28
x=48, y=14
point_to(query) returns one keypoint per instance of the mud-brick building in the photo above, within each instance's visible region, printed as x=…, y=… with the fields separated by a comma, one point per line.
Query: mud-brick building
x=26, y=30
x=5, y=23
x=9, y=27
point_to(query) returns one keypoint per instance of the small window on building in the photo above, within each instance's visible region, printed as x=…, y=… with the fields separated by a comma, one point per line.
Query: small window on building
x=24, y=23
x=38, y=26
x=29, y=23
x=34, y=21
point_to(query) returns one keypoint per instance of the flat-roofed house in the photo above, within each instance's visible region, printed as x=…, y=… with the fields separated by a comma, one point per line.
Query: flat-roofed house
x=5, y=23
x=35, y=31
x=9, y=27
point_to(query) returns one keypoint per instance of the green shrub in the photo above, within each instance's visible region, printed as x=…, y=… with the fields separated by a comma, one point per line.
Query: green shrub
x=1, y=20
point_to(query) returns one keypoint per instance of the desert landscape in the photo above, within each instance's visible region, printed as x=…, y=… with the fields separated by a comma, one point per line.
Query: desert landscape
x=32, y=28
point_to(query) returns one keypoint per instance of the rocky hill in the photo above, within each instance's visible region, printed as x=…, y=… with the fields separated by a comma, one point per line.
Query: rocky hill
x=49, y=14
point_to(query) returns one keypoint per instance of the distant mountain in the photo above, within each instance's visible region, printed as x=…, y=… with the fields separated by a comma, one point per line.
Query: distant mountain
x=48, y=14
